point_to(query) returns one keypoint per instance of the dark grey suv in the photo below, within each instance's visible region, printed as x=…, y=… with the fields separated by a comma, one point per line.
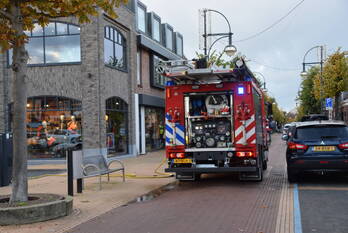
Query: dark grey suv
x=317, y=146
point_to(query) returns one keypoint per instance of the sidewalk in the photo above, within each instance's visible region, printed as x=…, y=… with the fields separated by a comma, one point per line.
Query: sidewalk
x=93, y=202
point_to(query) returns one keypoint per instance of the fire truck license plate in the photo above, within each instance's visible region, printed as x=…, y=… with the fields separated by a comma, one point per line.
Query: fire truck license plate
x=323, y=148
x=182, y=160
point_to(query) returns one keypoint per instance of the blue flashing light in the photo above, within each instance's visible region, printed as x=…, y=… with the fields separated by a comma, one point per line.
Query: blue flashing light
x=170, y=83
x=240, y=91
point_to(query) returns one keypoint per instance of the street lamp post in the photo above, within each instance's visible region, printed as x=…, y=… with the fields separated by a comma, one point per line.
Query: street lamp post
x=321, y=62
x=230, y=49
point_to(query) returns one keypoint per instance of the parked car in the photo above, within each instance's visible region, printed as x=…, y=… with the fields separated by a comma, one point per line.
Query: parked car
x=317, y=146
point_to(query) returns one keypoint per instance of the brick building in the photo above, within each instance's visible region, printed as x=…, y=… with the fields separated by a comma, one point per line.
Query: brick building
x=83, y=85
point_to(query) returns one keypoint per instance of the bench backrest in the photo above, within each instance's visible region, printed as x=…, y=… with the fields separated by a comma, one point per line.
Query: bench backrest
x=97, y=160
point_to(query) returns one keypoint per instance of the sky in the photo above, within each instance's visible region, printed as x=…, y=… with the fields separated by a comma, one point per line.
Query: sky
x=278, y=53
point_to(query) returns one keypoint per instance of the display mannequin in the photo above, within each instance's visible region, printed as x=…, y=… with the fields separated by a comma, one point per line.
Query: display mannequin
x=72, y=124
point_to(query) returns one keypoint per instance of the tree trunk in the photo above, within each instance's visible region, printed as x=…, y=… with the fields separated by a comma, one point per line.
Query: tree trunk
x=19, y=91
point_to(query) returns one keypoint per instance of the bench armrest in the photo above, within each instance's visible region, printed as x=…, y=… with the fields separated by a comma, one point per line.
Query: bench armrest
x=117, y=161
x=84, y=167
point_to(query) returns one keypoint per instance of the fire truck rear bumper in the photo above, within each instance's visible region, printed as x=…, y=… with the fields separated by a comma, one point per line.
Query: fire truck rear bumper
x=213, y=170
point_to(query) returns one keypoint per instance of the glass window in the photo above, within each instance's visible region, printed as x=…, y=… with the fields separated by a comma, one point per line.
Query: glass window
x=141, y=13
x=169, y=38
x=116, y=120
x=63, y=49
x=62, y=28
x=114, y=49
x=35, y=50
x=156, y=29
x=322, y=132
x=54, y=43
x=74, y=29
x=179, y=50
x=52, y=126
x=158, y=80
x=154, y=128
x=50, y=29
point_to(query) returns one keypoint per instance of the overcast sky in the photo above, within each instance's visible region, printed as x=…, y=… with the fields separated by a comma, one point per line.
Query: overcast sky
x=277, y=53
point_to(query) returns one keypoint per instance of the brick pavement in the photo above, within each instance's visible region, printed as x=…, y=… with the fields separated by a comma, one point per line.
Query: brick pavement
x=92, y=202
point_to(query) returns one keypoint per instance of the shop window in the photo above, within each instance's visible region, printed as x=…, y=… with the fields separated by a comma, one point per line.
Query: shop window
x=154, y=128
x=116, y=120
x=56, y=43
x=114, y=49
x=157, y=80
x=53, y=126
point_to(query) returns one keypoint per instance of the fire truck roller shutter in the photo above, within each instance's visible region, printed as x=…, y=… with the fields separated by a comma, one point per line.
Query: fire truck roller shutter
x=179, y=133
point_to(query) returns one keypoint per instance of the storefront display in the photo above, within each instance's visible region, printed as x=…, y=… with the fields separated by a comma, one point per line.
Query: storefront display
x=53, y=126
x=154, y=128
x=116, y=126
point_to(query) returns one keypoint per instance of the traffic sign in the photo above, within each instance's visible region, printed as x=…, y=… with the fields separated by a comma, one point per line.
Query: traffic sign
x=328, y=103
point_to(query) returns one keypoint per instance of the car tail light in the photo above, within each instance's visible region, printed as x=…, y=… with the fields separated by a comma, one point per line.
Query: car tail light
x=180, y=155
x=343, y=146
x=295, y=146
x=242, y=154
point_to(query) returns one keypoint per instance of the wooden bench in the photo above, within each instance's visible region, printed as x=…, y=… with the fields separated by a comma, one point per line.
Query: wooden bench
x=96, y=165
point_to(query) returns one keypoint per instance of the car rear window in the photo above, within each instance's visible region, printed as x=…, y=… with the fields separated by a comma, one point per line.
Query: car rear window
x=320, y=132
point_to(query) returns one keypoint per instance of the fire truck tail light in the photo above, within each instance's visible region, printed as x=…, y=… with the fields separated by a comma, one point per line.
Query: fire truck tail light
x=180, y=155
x=243, y=154
x=172, y=155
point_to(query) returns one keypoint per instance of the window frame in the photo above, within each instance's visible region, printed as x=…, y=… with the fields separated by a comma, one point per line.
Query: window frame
x=114, y=42
x=153, y=17
x=177, y=37
x=43, y=36
x=143, y=8
x=166, y=27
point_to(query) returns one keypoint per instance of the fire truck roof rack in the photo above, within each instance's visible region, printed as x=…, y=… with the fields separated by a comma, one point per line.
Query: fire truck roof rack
x=185, y=71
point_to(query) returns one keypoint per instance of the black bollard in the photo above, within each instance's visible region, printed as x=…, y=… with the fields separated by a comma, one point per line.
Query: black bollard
x=70, y=173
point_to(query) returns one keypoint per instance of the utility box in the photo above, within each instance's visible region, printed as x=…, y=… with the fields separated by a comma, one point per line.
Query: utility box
x=5, y=158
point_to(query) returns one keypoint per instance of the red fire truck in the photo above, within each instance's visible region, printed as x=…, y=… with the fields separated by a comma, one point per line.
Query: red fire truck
x=215, y=120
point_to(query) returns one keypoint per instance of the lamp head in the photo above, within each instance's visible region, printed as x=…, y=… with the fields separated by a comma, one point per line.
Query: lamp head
x=304, y=74
x=230, y=50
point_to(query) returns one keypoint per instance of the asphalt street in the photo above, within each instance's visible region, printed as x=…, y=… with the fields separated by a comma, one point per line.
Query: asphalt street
x=222, y=204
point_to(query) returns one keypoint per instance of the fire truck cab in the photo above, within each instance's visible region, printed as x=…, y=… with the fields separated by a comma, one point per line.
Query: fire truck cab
x=215, y=121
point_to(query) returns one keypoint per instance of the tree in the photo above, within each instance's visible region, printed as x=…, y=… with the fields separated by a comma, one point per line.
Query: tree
x=334, y=78
x=16, y=17
x=308, y=103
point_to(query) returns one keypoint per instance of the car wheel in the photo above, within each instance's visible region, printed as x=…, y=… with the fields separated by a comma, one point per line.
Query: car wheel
x=292, y=176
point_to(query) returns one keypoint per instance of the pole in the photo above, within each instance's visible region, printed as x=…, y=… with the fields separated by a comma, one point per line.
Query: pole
x=205, y=33
x=70, y=173
x=321, y=79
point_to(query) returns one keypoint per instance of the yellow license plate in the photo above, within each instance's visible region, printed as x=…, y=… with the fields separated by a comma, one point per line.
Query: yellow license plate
x=324, y=148
x=182, y=160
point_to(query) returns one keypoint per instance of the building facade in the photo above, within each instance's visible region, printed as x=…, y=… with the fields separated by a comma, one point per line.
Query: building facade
x=83, y=89
x=156, y=41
